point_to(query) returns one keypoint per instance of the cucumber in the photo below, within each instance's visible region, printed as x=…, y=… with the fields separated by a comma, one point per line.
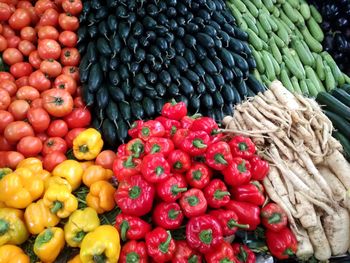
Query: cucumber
x=240, y=6
x=263, y=19
x=275, y=64
x=315, y=29
x=296, y=86
x=297, y=61
x=303, y=87
x=311, y=74
x=268, y=4
x=259, y=63
x=334, y=105
x=286, y=80
x=251, y=24
x=278, y=40
x=269, y=69
x=254, y=40
x=305, y=10
x=341, y=124
x=292, y=67
x=329, y=79
x=311, y=87
x=346, y=87
x=262, y=34
x=337, y=74
x=313, y=44
x=342, y=96
x=315, y=14
x=320, y=69
x=290, y=12
x=344, y=142
x=286, y=20
x=303, y=52
x=294, y=3
x=252, y=7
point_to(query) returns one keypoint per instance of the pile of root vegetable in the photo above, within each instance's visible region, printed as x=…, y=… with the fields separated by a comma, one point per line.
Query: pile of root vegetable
x=309, y=176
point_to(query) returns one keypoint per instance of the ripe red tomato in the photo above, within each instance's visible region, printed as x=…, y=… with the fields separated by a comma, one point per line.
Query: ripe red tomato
x=6, y=76
x=5, y=12
x=29, y=146
x=7, y=31
x=19, y=19
x=49, y=18
x=33, y=16
x=27, y=93
x=68, y=38
x=71, y=71
x=65, y=82
x=78, y=102
x=34, y=59
x=73, y=7
x=3, y=43
x=13, y=41
x=68, y=22
x=12, y=56
x=70, y=57
x=49, y=48
x=71, y=136
x=51, y=67
x=39, y=119
x=106, y=159
x=52, y=159
x=39, y=80
x=24, y=4
x=16, y=130
x=42, y=5
x=5, y=119
x=19, y=109
x=57, y=102
x=5, y=99
x=23, y=81
x=48, y=32
x=78, y=118
x=5, y=145
x=42, y=136
x=13, y=158
x=28, y=33
x=26, y=47
x=57, y=128
x=9, y=86
x=53, y=144
x=37, y=103
x=21, y=69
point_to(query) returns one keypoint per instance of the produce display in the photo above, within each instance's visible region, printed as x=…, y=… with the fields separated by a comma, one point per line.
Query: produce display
x=137, y=56
x=286, y=40
x=308, y=177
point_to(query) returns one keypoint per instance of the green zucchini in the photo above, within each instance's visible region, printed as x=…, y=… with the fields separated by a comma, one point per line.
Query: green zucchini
x=340, y=123
x=342, y=96
x=344, y=142
x=334, y=105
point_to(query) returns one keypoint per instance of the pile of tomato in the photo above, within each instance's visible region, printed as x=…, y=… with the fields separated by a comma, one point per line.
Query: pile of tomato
x=41, y=109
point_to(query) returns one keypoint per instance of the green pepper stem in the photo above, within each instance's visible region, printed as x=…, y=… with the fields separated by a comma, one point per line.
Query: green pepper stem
x=197, y=175
x=242, y=255
x=225, y=260
x=275, y=218
x=192, y=200
x=4, y=226
x=124, y=227
x=145, y=131
x=129, y=163
x=219, y=158
x=193, y=259
x=289, y=252
x=198, y=143
x=137, y=149
x=132, y=257
x=242, y=146
x=135, y=192
x=173, y=214
x=57, y=205
x=242, y=167
x=155, y=148
x=44, y=237
x=233, y=223
x=159, y=170
x=206, y=236
x=99, y=258
x=79, y=236
x=221, y=194
x=164, y=247
x=175, y=189
x=83, y=148
x=173, y=102
x=178, y=165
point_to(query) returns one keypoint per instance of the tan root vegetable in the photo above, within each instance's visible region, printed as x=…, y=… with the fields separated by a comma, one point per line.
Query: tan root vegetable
x=284, y=96
x=306, y=211
x=338, y=189
x=338, y=164
x=305, y=250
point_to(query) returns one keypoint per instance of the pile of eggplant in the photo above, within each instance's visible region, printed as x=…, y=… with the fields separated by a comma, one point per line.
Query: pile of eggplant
x=137, y=55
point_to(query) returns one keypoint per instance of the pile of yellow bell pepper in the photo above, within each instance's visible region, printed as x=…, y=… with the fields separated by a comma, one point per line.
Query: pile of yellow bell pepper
x=33, y=202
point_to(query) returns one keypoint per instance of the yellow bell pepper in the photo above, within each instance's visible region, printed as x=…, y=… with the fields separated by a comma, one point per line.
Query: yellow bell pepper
x=70, y=170
x=101, y=197
x=87, y=145
x=76, y=259
x=79, y=224
x=38, y=217
x=2, y=204
x=44, y=175
x=49, y=243
x=55, y=180
x=101, y=245
x=12, y=228
x=4, y=171
x=12, y=254
x=32, y=163
x=87, y=164
x=60, y=201
x=95, y=173
x=20, y=188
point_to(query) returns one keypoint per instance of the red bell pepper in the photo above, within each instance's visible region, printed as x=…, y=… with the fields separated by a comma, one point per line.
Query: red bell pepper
x=159, y=145
x=223, y=253
x=193, y=203
x=179, y=137
x=273, y=217
x=203, y=233
x=186, y=121
x=259, y=168
x=185, y=254
x=218, y=155
x=228, y=221
x=134, y=128
x=125, y=166
x=199, y=175
x=160, y=245
x=247, y=213
x=170, y=126
x=171, y=189
x=131, y=227
x=179, y=161
x=168, y=215
x=282, y=244
x=134, y=196
x=135, y=148
x=174, y=110
x=205, y=124
x=133, y=251
x=196, y=143
x=251, y=193
x=155, y=168
x=151, y=129
x=216, y=194
x=242, y=147
x=243, y=253
x=121, y=151
x=237, y=172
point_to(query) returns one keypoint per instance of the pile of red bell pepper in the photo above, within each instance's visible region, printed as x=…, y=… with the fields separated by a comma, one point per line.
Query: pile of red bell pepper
x=179, y=171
